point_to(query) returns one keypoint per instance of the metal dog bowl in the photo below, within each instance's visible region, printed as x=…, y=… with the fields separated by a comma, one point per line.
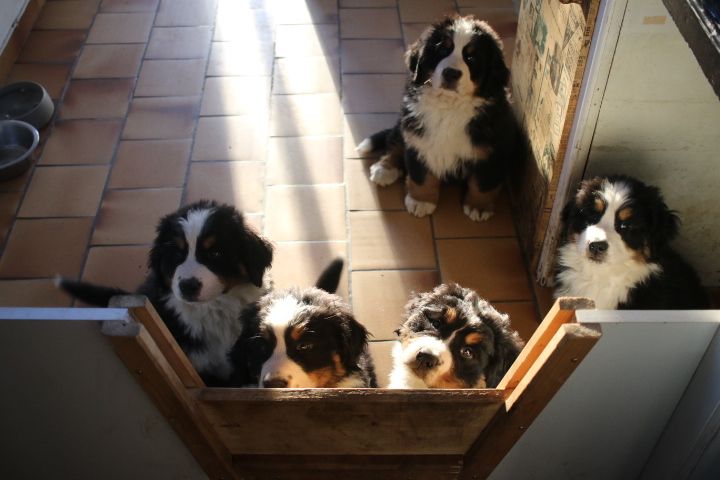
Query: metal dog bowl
x=18, y=140
x=26, y=101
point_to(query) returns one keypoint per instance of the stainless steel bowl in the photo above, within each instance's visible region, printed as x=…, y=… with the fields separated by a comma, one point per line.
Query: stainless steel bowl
x=26, y=101
x=18, y=140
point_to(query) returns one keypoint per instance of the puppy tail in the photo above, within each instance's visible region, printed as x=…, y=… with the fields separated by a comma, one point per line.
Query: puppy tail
x=329, y=279
x=375, y=142
x=87, y=292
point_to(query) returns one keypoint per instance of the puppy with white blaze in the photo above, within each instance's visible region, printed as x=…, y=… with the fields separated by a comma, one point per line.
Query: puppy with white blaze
x=452, y=338
x=303, y=338
x=616, y=249
x=456, y=122
x=206, y=265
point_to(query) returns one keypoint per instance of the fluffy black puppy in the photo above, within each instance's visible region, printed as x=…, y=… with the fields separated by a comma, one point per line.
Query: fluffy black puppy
x=617, y=249
x=206, y=265
x=456, y=121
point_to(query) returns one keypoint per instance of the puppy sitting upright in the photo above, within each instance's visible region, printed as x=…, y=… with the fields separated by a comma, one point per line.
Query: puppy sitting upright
x=206, y=265
x=451, y=338
x=456, y=121
x=303, y=339
x=617, y=249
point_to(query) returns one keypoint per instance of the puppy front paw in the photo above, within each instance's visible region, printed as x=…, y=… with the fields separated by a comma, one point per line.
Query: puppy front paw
x=417, y=208
x=383, y=175
x=477, y=216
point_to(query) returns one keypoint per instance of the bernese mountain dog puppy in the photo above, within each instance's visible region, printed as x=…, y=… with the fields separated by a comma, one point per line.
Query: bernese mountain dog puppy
x=303, y=338
x=452, y=338
x=206, y=265
x=456, y=121
x=616, y=249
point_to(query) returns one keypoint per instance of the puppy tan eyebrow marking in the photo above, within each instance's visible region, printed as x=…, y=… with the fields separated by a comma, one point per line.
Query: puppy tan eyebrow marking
x=473, y=338
x=599, y=205
x=209, y=242
x=297, y=331
x=625, y=214
x=451, y=315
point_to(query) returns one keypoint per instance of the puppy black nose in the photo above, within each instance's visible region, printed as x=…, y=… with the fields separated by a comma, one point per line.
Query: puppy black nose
x=190, y=288
x=275, y=383
x=598, y=247
x=426, y=360
x=451, y=75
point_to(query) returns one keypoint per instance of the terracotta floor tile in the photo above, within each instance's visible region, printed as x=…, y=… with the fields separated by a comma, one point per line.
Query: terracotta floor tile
x=150, y=164
x=359, y=126
x=379, y=297
x=64, y=192
x=523, y=317
x=68, y=15
x=369, y=23
x=494, y=267
x=161, y=118
x=305, y=213
x=52, y=77
x=306, y=41
x=235, y=22
x=55, y=46
x=182, y=13
x=179, y=42
x=75, y=142
x=449, y=220
x=171, y=78
x=365, y=195
x=412, y=32
x=503, y=21
x=32, y=293
x=130, y=216
x=545, y=299
x=425, y=10
x=122, y=267
x=300, y=263
x=9, y=202
x=373, y=56
x=45, y=248
x=121, y=28
x=304, y=160
x=367, y=3
x=109, y=61
x=128, y=6
x=236, y=96
x=390, y=240
x=314, y=114
x=304, y=11
x=381, y=353
x=231, y=138
x=375, y=93
x=297, y=75
x=236, y=59
x=97, y=98
x=235, y=183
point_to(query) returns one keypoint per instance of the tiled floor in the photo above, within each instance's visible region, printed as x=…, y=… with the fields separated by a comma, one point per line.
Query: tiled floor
x=254, y=102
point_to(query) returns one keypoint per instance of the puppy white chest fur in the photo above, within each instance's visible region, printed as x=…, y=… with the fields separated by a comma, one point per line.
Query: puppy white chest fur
x=445, y=144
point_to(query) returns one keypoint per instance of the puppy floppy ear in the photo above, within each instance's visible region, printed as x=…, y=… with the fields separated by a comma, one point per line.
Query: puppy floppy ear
x=164, y=234
x=353, y=339
x=256, y=253
x=414, y=57
x=497, y=74
x=664, y=223
x=507, y=346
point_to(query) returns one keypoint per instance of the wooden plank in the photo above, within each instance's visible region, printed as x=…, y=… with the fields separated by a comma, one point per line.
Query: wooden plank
x=143, y=312
x=563, y=354
x=64, y=314
x=562, y=312
x=351, y=421
x=347, y=467
x=142, y=357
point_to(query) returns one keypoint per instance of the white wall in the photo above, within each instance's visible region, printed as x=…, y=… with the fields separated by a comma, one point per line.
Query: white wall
x=607, y=418
x=10, y=11
x=659, y=121
x=70, y=409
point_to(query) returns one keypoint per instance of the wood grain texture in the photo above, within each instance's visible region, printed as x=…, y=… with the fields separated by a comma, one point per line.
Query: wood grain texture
x=563, y=354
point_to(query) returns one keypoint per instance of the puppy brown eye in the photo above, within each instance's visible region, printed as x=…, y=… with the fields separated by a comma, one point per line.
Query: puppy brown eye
x=215, y=253
x=467, y=353
x=304, y=346
x=435, y=323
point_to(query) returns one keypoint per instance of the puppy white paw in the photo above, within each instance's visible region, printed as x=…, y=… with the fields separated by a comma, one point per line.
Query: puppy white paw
x=476, y=215
x=417, y=208
x=364, y=147
x=382, y=175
